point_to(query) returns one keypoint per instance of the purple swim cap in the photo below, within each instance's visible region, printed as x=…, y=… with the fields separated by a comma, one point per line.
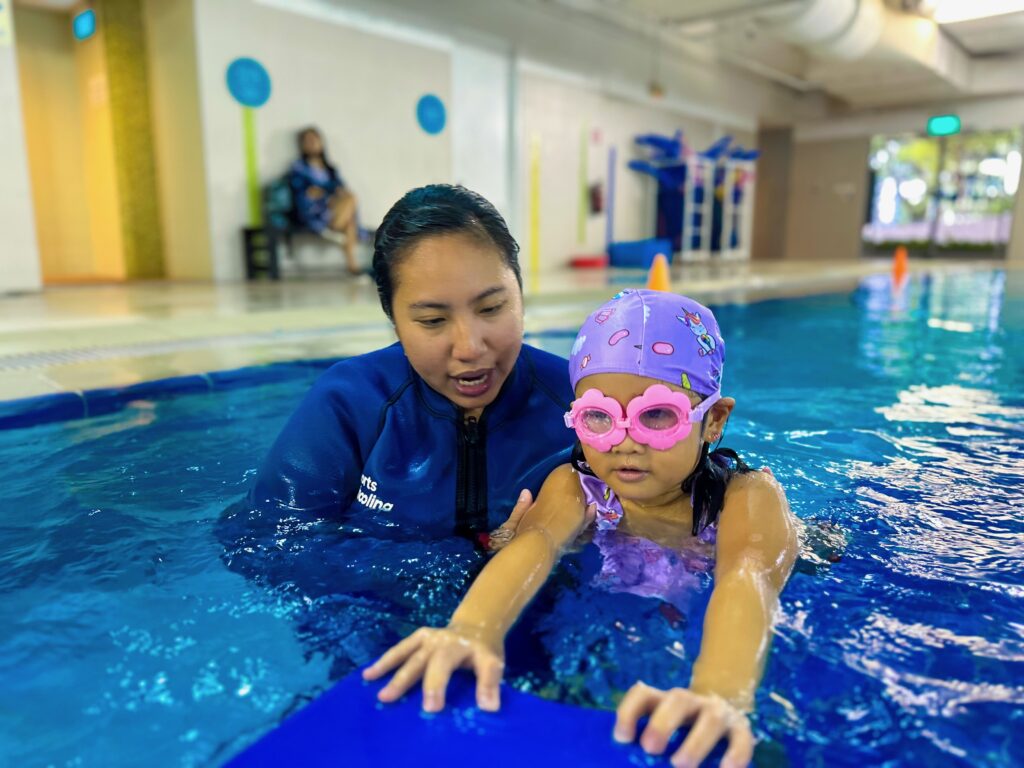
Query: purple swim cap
x=656, y=334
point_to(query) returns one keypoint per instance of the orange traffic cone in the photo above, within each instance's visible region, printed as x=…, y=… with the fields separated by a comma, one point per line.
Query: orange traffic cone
x=658, y=278
x=899, y=266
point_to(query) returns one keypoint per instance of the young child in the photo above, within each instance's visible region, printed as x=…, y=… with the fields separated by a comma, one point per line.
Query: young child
x=647, y=369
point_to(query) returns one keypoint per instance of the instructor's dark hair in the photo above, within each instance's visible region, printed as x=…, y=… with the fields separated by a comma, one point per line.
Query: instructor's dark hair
x=436, y=209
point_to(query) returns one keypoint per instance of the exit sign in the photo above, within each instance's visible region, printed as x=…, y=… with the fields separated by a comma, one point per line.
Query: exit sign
x=943, y=125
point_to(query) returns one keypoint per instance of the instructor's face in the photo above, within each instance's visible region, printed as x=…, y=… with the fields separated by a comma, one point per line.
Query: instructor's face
x=458, y=312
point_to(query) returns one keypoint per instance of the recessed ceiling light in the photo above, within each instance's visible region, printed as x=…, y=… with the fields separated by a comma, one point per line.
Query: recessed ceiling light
x=952, y=11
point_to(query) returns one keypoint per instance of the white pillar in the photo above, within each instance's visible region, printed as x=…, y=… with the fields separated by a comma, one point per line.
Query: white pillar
x=19, y=252
x=480, y=122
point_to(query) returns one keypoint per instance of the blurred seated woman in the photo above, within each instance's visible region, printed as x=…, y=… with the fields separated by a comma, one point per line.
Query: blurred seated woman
x=322, y=201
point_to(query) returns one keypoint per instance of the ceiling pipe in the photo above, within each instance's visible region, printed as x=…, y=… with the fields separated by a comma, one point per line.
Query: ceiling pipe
x=833, y=29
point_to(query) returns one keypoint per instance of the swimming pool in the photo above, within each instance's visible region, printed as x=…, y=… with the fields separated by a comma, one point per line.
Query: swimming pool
x=138, y=629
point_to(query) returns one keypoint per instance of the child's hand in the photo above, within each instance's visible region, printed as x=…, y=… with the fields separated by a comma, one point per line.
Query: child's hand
x=433, y=654
x=711, y=716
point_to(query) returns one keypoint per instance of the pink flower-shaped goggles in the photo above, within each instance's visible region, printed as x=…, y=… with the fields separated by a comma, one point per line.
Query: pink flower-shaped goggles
x=659, y=418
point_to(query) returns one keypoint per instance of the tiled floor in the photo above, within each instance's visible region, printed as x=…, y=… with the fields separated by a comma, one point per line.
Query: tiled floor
x=75, y=338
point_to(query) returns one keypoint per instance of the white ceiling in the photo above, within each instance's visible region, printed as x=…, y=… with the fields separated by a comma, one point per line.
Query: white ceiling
x=994, y=35
x=675, y=12
x=913, y=60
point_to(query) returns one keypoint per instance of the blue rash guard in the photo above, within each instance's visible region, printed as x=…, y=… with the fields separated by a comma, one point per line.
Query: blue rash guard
x=373, y=440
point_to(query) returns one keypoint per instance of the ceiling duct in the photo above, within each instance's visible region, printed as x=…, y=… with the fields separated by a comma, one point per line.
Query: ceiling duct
x=834, y=29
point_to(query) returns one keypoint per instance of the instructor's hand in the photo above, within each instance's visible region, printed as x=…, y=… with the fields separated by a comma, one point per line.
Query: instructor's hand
x=502, y=535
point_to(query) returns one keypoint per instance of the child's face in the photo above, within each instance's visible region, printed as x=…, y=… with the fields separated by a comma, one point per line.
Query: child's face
x=636, y=471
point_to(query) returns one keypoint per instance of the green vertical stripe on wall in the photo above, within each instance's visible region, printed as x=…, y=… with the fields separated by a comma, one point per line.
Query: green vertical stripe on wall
x=120, y=22
x=252, y=173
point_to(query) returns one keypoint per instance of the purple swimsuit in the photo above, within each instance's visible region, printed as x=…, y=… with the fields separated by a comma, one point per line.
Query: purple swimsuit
x=639, y=566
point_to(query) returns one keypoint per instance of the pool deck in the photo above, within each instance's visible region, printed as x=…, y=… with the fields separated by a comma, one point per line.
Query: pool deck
x=74, y=338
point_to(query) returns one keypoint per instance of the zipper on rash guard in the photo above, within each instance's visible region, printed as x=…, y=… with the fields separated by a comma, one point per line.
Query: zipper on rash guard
x=471, y=479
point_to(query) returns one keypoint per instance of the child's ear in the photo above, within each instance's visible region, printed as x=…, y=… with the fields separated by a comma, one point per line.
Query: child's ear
x=717, y=418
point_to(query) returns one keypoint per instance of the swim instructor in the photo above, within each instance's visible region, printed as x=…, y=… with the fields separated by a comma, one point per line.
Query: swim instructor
x=454, y=426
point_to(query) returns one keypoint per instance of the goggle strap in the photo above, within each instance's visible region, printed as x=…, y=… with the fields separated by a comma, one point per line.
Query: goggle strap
x=697, y=414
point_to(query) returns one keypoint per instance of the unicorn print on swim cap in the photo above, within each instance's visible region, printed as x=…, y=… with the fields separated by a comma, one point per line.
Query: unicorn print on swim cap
x=656, y=334
x=706, y=341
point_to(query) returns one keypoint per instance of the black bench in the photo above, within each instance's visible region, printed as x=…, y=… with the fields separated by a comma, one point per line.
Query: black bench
x=262, y=244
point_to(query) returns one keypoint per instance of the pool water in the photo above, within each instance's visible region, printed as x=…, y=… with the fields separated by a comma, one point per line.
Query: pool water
x=144, y=624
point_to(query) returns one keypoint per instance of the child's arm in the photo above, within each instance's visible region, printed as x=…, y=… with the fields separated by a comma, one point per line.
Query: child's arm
x=476, y=633
x=512, y=578
x=755, y=551
x=756, y=547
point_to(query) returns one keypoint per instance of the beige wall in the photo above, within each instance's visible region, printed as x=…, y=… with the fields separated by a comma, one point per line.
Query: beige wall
x=177, y=128
x=616, y=61
x=826, y=200
x=772, y=193
x=56, y=154
x=360, y=89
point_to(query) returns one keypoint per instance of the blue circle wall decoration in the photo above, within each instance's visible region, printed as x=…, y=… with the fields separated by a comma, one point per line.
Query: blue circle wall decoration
x=248, y=82
x=430, y=113
x=83, y=26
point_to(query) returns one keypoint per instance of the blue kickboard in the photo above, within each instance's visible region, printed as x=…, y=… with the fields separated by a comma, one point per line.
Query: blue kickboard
x=348, y=726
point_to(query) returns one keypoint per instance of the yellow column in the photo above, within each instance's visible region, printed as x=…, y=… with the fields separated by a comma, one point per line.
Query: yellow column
x=120, y=165
x=101, y=183
x=122, y=28
x=534, y=208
